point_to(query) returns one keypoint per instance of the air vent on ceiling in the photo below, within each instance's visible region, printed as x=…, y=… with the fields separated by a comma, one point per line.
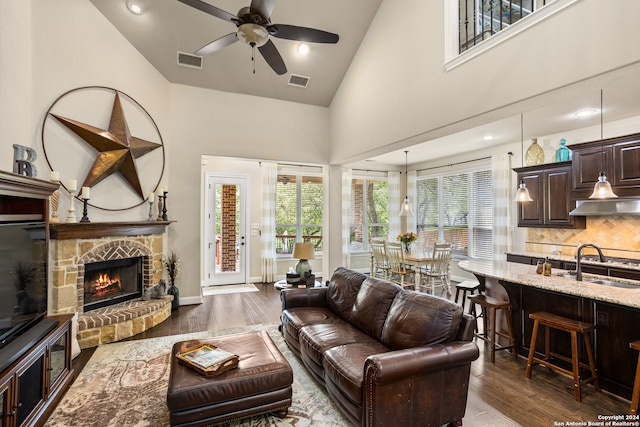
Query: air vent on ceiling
x=189, y=60
x=299, y=81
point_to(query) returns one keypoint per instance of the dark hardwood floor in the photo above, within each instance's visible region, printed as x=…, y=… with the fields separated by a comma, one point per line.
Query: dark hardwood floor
x=499, y=394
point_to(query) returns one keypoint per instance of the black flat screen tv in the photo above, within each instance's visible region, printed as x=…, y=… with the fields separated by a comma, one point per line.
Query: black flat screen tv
x=23, y=277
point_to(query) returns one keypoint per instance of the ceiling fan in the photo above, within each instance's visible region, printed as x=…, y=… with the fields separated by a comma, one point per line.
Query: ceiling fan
x=255, y=27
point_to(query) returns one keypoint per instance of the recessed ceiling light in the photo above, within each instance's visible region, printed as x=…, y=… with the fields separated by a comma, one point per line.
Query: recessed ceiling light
x=135, y=6
x=488, y=138
x=303, y=49
x=586, y=113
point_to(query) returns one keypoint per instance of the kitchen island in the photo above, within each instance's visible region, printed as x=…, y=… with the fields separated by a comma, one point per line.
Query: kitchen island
x=614, y=310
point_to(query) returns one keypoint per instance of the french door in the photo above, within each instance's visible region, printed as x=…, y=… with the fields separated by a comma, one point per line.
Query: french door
x=225, y=224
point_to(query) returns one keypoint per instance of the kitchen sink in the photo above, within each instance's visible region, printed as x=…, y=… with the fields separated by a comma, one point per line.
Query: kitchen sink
x=613, y=283
x=597, y=281
x=565, y=275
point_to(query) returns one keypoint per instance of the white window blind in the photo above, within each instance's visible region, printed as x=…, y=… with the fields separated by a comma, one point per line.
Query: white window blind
x=457, y=208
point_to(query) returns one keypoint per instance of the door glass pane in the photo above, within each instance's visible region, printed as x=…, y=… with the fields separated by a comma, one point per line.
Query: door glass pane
x=30, y=389
x=58, y=358
x=2, y=403
x=311, y=210
x=227, y=226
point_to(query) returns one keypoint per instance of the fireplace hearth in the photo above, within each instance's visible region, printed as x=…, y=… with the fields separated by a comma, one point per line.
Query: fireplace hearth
x=112, y=282
x=76, y=246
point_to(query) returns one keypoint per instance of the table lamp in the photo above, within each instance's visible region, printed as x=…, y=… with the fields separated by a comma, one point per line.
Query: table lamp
x=304, y=252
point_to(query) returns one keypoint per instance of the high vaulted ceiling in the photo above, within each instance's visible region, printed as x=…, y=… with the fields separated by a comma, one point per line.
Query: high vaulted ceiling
x=168, y=26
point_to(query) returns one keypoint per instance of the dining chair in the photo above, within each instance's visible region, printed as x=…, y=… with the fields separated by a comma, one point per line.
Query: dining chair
x=438, y=268
x=380, y=259
x=399, y=272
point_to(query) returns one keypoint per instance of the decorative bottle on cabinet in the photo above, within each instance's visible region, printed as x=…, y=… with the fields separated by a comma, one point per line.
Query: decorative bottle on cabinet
x=563, y=153
x=535, y=154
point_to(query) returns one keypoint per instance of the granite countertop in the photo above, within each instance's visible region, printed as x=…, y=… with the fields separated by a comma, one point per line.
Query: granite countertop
x=609, y=263
x=526, y=275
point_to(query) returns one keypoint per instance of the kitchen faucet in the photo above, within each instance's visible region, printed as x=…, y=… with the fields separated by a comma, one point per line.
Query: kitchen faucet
x=579, y=253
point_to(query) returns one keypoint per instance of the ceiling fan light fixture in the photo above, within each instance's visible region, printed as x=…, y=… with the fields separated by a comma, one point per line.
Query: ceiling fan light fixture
x=303, y=49
x=253, y=34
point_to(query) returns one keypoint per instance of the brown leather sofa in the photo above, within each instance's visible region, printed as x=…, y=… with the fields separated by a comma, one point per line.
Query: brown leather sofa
x=386, y=356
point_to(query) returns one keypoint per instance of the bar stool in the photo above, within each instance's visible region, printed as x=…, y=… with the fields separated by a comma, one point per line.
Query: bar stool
x=489, y=334
x=468, y=286
x=636, y=384
x=573, y=327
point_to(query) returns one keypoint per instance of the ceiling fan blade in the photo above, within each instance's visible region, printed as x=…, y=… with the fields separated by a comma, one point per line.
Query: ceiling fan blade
x=211, y=10
x=272, y=56
x=303, y=34
x=217, y=44
x=264, y=7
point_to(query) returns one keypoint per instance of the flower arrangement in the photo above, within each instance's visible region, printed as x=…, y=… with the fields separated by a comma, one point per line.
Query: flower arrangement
x=172, y=264
x=407, y=237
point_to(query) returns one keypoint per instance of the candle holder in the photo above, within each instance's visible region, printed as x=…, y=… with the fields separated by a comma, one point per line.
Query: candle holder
x=55, y=201
x=159, y=218
x=71, y=212
x=164, y=208
x=85, y=218
x=150, y=218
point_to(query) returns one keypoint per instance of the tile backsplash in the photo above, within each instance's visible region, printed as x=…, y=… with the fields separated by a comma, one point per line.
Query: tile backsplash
x=619, y=235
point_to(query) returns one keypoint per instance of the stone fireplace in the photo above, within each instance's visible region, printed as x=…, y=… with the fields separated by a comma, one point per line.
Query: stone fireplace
x=79, y=249
x=111, y=282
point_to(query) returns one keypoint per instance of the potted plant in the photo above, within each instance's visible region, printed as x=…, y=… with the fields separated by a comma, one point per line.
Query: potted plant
x=407, y=238
x=172, y=264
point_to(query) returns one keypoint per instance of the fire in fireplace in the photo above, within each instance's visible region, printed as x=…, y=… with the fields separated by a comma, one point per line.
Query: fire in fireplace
x=112, y=282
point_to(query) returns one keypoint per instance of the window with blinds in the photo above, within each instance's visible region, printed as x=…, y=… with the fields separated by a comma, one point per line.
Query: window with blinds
x=457, y=208
x=298, y=211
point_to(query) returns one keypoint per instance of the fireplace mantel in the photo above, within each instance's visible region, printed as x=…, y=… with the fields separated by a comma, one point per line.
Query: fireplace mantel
x=93, y=230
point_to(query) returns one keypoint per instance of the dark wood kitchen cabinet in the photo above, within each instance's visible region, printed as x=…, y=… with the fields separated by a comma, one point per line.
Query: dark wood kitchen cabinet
x=549, y=186
x=616, y=327
x=619, y=158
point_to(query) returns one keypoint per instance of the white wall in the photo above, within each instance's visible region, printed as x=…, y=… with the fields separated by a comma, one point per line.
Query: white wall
x=50, y=47
x=397, y=91
x=206, y=122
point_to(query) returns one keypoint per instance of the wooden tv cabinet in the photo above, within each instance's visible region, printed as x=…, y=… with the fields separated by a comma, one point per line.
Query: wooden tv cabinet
x=35, y=366
x=32, y=385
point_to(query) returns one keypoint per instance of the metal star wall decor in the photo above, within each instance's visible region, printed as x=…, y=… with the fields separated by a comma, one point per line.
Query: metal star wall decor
x=117, y=149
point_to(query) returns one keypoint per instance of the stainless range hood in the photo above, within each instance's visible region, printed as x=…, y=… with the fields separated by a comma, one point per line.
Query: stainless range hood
x=607, y=207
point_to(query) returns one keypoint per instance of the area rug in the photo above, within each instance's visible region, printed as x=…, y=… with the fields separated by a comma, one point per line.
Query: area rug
x=229, y=289
x=125, y=384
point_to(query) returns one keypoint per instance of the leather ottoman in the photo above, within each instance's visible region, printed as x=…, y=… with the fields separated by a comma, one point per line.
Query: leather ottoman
x=261, y=383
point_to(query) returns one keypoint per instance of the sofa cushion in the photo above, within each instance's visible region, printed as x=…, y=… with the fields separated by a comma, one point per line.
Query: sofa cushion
x=344, y=366
x=342, y=291
x=294, y=319
x=416, y=319
x=316, y=339
x=372, y=304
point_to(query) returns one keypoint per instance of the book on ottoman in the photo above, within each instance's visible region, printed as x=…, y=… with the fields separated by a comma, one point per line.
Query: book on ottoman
x=206, y=358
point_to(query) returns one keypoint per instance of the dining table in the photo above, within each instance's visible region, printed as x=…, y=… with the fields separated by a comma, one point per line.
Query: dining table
x=417, y=259
x=420, y=259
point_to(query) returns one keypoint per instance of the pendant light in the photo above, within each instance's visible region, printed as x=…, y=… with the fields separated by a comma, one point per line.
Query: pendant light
x=406, y=209
x=522, y=195
x=602, y=189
